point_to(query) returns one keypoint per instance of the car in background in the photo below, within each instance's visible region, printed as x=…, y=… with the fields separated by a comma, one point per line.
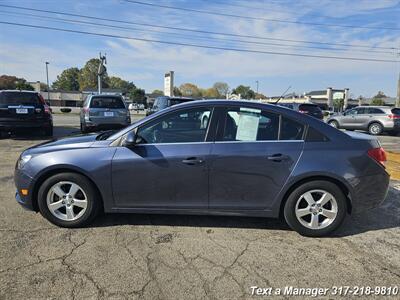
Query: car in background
x=252, y=159
x=163, y=102
x=104, y=112
x=310, y=109
x=24, y=110
x=374, y=119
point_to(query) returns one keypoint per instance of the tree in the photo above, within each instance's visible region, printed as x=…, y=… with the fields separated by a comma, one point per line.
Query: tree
x=115, y=82
x=177, y=92
x=157, y=93
x=377, y=102
x=8, y=82
x=137, y=95
x=259, y=96
x=222, y=88
x=210, y=93
x=190, y=90
x=88, y=75
x=378, y=99
x=68, y=80
x=245, y=91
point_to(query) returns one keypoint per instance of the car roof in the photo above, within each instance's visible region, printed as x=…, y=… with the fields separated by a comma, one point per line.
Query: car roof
x=19, y=91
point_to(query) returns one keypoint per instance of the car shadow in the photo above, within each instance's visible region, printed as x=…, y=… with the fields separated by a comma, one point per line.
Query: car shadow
x=386, y=216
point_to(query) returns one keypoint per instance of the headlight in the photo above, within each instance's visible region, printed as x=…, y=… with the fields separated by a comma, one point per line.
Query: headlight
x=23, y=160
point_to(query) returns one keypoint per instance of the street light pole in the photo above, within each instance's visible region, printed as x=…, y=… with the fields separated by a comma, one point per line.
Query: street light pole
x=48, y=86
x=257, y=86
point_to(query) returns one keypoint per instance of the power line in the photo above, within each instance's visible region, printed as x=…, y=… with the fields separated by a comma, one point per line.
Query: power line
x=69, y=21
x=194, y=30
x=199, y=46
x=257, y=18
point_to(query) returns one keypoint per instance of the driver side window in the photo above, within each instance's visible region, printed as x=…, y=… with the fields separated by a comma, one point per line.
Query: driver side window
x=184, y=126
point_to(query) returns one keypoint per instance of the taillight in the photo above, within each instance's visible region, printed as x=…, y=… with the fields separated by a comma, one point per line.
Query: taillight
x=47, y=109
x=378, y=154
x=303, y=111
x=394, y=116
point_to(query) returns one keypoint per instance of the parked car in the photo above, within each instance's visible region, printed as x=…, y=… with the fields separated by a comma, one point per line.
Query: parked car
x=163, y=102
x=133, y=106
x=374, y=119
x=253, y=159
x=24, y=110
x=102, y=112
x=310, y=109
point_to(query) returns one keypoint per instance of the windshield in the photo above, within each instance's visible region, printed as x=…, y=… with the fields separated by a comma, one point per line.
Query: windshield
x=396, y=111
x=107, y=102
x=19, y=98
x=105, y=135
x=160, y=103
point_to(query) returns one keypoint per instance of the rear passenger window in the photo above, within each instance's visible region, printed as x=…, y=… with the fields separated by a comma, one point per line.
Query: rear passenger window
x=291, y=130
x=249, y=124
x=314, y=135
x=375, y=111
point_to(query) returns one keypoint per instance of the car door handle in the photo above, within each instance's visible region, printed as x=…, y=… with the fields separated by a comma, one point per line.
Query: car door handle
x=278, y=157
x=193, y=161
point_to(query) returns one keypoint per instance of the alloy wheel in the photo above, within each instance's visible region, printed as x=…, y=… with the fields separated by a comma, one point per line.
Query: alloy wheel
x=66, y=200
x=316, y=209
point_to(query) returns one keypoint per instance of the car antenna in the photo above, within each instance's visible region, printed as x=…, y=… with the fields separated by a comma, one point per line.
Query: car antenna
x=284, y=93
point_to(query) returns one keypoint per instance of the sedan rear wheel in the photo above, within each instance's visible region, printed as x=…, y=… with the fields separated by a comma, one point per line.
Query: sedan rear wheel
x=68, y=200
x=315, y=208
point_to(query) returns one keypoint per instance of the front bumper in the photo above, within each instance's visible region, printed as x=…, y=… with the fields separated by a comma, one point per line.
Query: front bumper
x=369, y=191
x=23, y=181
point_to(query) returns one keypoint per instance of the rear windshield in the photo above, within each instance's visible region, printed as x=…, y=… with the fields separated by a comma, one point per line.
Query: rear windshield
x=175, y=101
x=396, y=111
x=107, y=102
x=160, y=103
x=19, y=98
x=309, y=107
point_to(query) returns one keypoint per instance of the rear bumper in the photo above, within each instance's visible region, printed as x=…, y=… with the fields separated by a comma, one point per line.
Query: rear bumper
x=12, y=125
x=104, y=126
x=369, y=191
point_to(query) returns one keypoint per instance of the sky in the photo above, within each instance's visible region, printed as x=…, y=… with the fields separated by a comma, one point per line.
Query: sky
x=369, y=29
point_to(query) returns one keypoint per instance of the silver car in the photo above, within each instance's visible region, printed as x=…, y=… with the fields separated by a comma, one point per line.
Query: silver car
x=102, y=112
x=374, y=119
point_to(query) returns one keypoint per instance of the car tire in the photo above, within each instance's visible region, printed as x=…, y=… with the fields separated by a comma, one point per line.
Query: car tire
x=375, y=128
x=83, y=128
x=48, y=131
x=317, y=219
x=64, y=211
x=334, y=124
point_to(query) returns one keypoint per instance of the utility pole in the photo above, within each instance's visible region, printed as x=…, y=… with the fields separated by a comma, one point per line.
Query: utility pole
x=398, y=93
x=101, y=71
x=48, y=86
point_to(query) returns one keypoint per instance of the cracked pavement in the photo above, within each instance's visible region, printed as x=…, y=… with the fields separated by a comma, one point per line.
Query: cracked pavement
x=126, y=256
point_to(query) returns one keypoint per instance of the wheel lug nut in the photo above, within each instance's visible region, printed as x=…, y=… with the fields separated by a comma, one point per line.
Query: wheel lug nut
x=63, y=202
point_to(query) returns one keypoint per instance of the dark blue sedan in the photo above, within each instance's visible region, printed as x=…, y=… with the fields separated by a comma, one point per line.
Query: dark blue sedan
x=247, y=159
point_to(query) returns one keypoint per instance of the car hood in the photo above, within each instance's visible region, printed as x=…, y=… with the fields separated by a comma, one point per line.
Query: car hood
x=80, y=141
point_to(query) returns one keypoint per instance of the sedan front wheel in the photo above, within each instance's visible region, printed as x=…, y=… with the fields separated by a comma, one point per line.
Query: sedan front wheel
x=68, y=200
x=315, y=208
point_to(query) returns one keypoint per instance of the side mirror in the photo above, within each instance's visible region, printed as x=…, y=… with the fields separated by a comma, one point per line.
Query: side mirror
x=130, y=139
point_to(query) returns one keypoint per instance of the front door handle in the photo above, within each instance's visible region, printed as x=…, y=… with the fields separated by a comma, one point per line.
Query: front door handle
x=193, y=161
x=278, y=157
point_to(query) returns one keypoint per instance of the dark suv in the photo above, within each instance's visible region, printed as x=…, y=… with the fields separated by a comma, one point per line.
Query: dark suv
x=24, y=109
x=165, y=101
x=310, y=109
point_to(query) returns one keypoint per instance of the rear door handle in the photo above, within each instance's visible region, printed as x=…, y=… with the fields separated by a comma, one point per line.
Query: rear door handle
x=278, y=157
x=193, y=161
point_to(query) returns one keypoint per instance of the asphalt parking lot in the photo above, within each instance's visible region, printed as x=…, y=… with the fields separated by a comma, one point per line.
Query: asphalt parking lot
x=125, y=256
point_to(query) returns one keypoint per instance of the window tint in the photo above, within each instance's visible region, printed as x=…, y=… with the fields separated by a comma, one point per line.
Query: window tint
x=19, y=98
x=291, y=130
x=314, y=135
x=396, y=111
x=372, y=110
x=107, y=102
x=361, y=111
x=248, y=124
x=309, y=108
x=184, y=126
